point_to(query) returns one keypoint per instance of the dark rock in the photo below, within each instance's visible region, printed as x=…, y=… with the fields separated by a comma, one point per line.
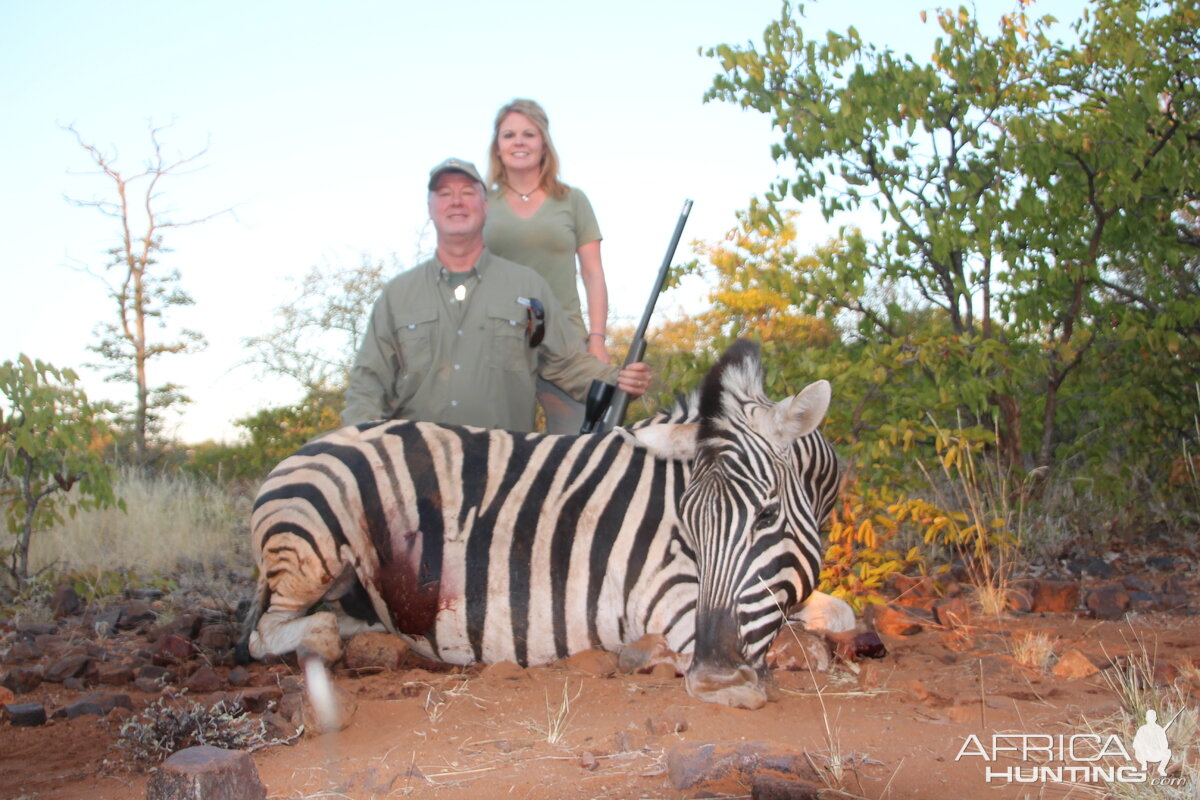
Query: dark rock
x=239, y=676
x=136, y=614
x=1142, y=601
x=1136, y=583
x=32, y=630
x=104, y=622
x=145, y=594
x=185, y=625
x=156, y=673
x=26, y=715
x=19, y=653
x=853, y=646
x=209, y=773
x=173, y=649
x=278, y=726
x=258, y=700
x=204, y=680
x=71, y=666
x=1108, y=602
x=65, y=601
x=1161, y=563
x=1096, y=567
x=22, y=680
x=773, y=787
x=218, y=637
x=114, y=674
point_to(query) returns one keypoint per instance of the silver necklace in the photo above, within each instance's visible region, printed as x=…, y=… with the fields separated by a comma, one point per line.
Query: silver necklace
x=524, y=197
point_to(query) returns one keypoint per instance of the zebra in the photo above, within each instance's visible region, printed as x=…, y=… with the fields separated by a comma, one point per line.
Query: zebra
x=701, y=524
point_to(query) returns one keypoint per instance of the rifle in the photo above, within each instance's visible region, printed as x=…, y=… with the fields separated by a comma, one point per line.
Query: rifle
x=606, y=405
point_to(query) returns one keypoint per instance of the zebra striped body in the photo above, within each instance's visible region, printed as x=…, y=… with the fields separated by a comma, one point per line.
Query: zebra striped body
x=483, y=545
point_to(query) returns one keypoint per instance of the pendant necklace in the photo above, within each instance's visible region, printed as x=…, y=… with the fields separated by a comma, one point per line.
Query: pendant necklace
x=460, y=292
x=524, y=197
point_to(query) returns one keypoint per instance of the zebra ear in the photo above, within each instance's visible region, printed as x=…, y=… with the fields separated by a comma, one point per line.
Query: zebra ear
x=800, y=414
x=671, y=442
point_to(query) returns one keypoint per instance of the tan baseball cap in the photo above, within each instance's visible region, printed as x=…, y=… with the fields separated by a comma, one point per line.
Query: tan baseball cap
x=453, y=165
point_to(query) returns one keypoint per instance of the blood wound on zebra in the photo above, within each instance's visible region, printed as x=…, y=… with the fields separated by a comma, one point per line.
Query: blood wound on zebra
x=700, y=524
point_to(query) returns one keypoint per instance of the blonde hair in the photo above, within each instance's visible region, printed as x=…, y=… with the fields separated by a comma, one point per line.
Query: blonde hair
x=548, y=180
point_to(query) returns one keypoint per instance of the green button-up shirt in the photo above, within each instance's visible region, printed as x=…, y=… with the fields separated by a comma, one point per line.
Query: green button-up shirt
x=430, y=356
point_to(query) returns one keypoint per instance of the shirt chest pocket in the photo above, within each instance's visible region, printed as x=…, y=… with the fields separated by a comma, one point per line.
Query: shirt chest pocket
x=506, y=330
x=414, y=335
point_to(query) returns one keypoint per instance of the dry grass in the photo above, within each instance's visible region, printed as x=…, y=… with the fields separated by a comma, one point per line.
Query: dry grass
x=168, y=519
x=1034, y=650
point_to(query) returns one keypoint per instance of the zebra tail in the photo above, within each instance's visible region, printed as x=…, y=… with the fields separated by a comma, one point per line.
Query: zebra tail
x=241, y=651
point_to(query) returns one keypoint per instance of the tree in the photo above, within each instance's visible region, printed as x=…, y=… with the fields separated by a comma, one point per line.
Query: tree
x=51, y=438
x=318, y=332
x=1016, y=179
x=143, y=291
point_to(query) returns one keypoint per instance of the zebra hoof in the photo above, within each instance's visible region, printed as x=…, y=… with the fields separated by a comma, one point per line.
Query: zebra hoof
x=739, y=688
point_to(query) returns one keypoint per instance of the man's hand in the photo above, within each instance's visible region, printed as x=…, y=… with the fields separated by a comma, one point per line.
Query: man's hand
x=635, y=379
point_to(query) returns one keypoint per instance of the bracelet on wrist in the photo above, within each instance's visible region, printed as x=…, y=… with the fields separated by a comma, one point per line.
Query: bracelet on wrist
x=601, y=335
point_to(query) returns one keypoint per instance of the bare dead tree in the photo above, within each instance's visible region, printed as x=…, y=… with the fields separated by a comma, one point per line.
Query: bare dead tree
x=142, y=289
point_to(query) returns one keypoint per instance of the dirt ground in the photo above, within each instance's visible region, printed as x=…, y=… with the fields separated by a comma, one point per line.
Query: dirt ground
x=900, y=726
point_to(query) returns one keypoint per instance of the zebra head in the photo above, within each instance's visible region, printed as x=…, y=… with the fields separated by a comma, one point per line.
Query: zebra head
x=763, y=480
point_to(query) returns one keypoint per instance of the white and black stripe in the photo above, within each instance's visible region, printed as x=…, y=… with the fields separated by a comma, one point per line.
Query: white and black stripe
x=481, y=545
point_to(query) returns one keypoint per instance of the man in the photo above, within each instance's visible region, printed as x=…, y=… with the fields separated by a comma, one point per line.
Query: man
x=460, y=338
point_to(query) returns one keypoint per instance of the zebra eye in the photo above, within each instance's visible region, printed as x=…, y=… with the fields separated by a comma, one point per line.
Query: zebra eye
x=767, y=517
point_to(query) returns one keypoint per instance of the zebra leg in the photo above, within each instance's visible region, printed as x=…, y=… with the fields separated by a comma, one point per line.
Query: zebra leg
x=282, y=631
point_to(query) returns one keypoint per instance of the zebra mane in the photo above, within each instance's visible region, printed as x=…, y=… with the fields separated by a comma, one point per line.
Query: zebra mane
x=734, y=382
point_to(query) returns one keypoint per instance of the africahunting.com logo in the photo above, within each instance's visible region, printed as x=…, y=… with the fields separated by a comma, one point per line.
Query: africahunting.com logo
x=1077, y=758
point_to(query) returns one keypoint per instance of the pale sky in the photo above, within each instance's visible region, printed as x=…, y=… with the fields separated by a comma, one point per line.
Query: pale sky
x=321, y=122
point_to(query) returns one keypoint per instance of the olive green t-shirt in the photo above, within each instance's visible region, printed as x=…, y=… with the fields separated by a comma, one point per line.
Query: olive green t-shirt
x=546, y=242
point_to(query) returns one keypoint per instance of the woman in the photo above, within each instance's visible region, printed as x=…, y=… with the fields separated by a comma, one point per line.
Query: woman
x=537, y=220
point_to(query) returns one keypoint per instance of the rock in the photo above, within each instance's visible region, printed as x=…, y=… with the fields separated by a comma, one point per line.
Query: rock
x=114, y=674
x=772, y=787
x=135, y=614
x=647, y=652
x=853, y=646
x=206, y=773
x=594, y=662
x=26, y=715
x=173, y=649
x=203, y=681
x=70, y=666
x=6, y=696
x=893, y=620
x=1096, y=567
x=65, y=601
x=796, y=649
x=689, y=764
x=215, y=637
x=239, y=676
x=19, y=653
x=185, y=625
x=279, y=726
x=374, y=652
x=258, y=700
x=1074, y=664
x=1056, y=597
x=824, y=612
x=22, y=680
x=104, y=622
x=1108, y=602
x=953, y=612
x=1161, y=563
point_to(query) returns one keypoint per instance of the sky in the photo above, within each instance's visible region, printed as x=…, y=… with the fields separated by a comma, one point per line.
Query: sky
x=319, y=123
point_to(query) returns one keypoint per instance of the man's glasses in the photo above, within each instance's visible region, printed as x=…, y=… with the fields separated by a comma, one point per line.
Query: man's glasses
x=535, y=320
